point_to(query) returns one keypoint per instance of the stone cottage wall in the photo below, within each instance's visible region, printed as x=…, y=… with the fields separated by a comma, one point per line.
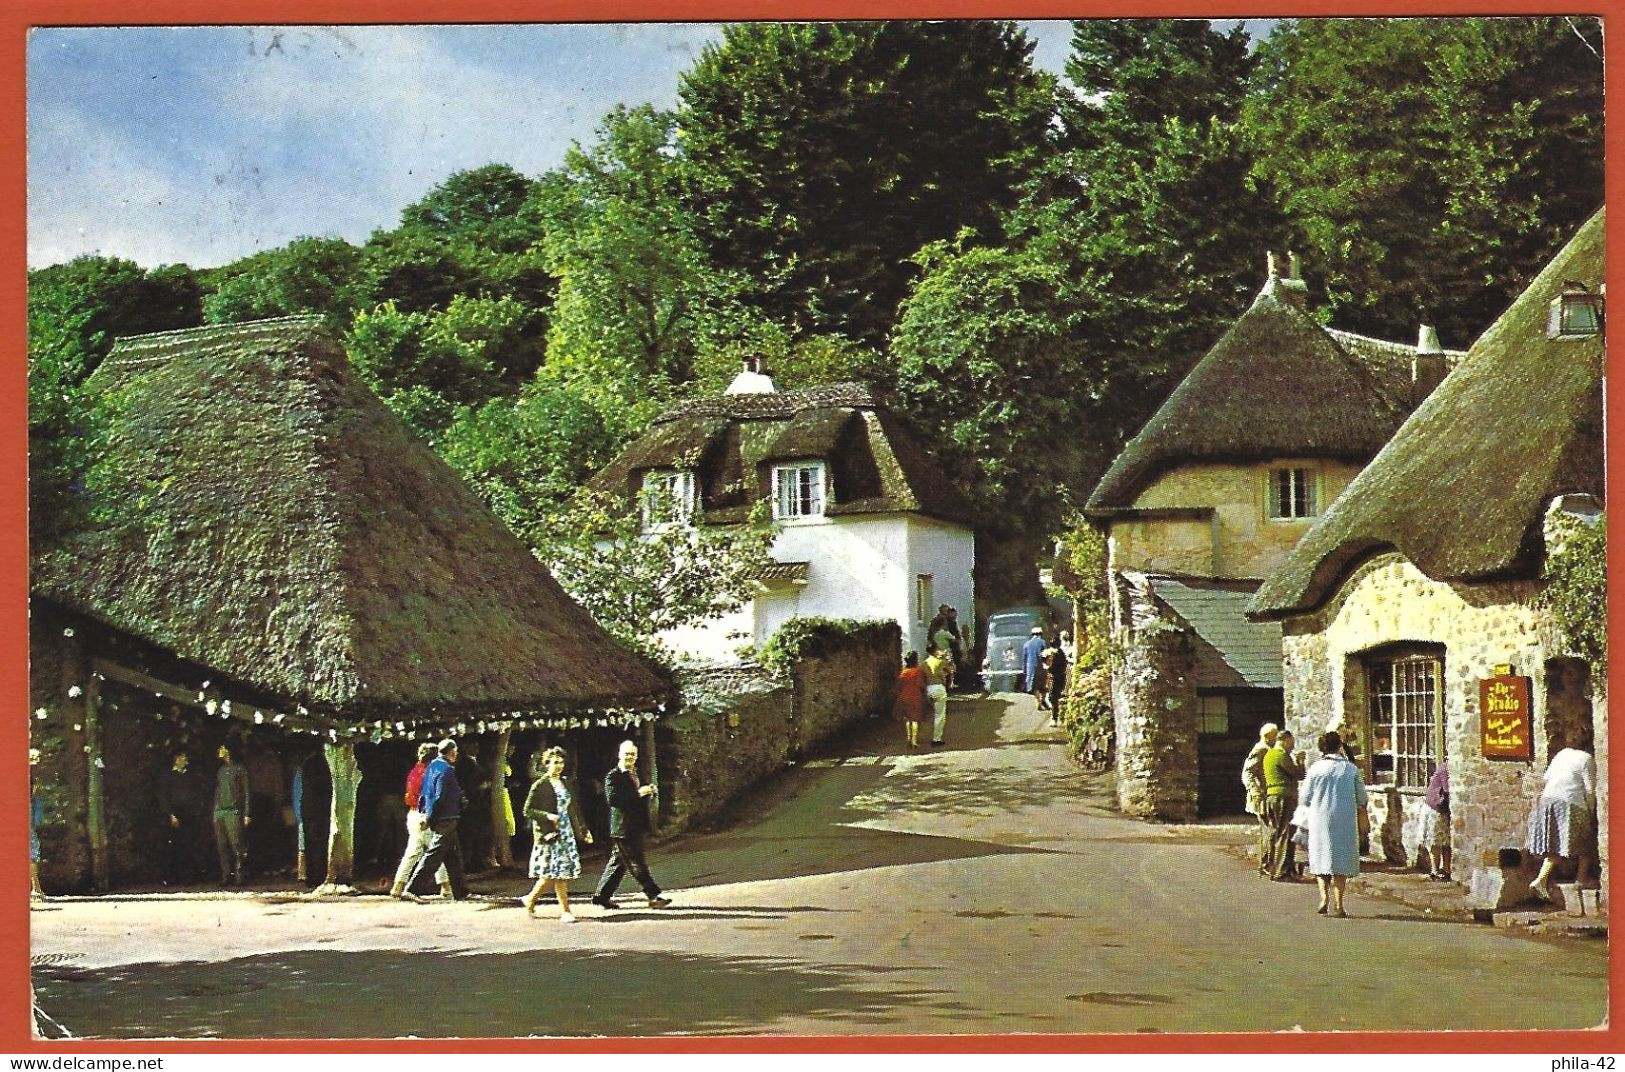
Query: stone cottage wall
x=738, y=725
x=834, y=691
x=1387, y=600
x=1154, y=712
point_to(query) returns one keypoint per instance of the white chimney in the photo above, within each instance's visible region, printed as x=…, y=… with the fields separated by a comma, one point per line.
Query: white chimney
x=1427, y=340
x=751, y=380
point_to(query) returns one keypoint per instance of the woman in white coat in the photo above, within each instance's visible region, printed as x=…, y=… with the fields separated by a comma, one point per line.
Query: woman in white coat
x=1330, y=803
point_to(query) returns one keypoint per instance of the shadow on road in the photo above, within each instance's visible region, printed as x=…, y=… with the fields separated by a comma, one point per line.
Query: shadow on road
x=323, y=993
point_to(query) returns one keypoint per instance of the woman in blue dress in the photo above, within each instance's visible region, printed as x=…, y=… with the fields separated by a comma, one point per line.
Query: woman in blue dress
x=554, y=856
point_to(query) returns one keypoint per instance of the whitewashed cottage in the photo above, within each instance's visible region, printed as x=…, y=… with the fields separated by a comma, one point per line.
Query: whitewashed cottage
x=867, y=525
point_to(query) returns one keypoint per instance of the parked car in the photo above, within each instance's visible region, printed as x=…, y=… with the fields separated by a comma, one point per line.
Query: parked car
x=1007, y=631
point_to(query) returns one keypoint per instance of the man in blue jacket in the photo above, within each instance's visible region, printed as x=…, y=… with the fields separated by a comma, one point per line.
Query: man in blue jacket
x=441, y=802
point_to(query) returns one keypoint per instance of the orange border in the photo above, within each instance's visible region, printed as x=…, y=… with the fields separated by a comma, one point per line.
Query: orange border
x=15, y=19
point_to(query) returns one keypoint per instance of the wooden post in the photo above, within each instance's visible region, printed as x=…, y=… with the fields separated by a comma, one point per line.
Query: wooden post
x=96, y=808
x=500, y=836
x=341, y=841
x=654, y=771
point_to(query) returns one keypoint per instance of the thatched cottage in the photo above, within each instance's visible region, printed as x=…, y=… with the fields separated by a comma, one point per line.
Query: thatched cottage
x=278, y=563
x=867, y=525
x=1417, y=593
x=1224, y=479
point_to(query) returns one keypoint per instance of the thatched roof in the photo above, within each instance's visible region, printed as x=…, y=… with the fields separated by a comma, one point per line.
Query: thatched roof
x=874, y=464
x=1277, y=384
x=282, y=527
x=1462, y=490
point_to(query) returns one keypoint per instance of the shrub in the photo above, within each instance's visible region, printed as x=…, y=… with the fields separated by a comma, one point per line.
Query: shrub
x=809, y=638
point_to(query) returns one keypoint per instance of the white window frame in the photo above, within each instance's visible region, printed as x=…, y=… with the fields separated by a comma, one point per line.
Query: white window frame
x=924, y=598
x=668, y=497
x=1406, y=701
x=800, y=490
x=1292, y=493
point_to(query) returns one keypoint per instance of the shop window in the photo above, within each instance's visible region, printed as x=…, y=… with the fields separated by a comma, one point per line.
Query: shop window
x=1405, y=695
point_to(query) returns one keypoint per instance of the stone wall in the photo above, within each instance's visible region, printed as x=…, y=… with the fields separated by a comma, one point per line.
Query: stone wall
x=1388, y=601
x=738, y=725
x=1154, y=713
x=733, y=730
x=833, y=691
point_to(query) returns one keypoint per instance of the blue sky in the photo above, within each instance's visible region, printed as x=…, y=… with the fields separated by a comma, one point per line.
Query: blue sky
x=205, y=144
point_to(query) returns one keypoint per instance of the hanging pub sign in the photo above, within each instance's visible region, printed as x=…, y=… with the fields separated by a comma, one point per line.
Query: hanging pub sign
x=1504, y=716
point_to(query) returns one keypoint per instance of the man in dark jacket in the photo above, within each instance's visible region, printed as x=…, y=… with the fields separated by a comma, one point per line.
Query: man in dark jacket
x=628, y=825
x=182, y=807
x=441, y=802
x=230, y=817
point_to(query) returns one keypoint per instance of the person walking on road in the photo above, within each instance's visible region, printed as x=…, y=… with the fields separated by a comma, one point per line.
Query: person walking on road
x=554, y=855
x=1055, y=675
x=441, y=803
x=910, y=707
x=417, y=827
x=1282, y=773
x=1032, y=665
x=628, y=825
x=938, y=669
x=1333, y=797
x=230, y=816
x=1252, y=780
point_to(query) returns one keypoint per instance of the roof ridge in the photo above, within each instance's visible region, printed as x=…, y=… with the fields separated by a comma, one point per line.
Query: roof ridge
x=1396, y=348
x=235, y=329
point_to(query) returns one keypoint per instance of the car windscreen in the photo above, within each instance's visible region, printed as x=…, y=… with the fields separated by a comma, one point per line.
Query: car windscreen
x=1010, y=628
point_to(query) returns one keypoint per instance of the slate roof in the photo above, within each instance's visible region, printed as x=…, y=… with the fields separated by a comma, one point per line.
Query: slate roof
x=1217, y=614
x=272, y=521
x=1276, y=384
x=732, y=441
x=1462, y=489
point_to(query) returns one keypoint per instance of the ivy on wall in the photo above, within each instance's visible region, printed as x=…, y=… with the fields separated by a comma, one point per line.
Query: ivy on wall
x=812, y=637
x=1577, y=590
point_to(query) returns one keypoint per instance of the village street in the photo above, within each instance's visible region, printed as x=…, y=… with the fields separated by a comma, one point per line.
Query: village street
x=985, y=887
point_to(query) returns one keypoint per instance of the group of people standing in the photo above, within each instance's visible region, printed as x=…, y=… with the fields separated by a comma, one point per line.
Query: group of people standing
x=434, y=802
x=1321, y=807
x=188, y=813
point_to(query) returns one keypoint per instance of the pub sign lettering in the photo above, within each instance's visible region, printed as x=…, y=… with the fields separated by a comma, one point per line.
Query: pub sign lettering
x=1504, y=715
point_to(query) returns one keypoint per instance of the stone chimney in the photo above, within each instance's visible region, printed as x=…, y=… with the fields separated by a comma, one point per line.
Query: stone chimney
x=1429, y=365
x=751, y=380
x=1290, y=286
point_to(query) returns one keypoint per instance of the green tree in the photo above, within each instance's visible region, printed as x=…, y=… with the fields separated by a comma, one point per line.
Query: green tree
x=637, y=583
x=639, y=304
x=1431, y=164
x=824, y=155
x=426, y=364
x=308, y=275
x=526, y=456
x=76, y=311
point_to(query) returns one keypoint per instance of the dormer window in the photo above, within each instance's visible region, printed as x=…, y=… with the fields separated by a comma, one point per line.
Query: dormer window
x=668, y=497
x=798, y=491
x=1292, y=494
x=1574, y=314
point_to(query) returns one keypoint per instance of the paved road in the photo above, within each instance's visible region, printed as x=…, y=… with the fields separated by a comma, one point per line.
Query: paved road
x=984, y=887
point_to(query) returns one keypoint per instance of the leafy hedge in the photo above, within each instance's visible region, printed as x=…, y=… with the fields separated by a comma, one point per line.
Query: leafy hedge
x=1577, y=592
x=812, y=637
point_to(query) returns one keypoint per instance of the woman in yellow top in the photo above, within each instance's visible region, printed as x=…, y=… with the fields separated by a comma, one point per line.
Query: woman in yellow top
x=939, y=668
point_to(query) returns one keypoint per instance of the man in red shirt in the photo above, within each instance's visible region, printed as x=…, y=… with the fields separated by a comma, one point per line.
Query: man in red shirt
x=417, y=828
